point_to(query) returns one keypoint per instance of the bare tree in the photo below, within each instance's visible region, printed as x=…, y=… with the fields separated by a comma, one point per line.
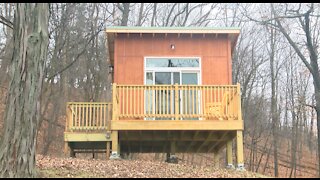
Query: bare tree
x=17, y=152
x=125, y=9
x=310, y=60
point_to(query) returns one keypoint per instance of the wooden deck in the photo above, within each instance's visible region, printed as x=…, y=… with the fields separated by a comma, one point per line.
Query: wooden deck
x=159, y=118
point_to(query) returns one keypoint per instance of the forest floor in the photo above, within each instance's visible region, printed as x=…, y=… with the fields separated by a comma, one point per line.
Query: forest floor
x=77, y=167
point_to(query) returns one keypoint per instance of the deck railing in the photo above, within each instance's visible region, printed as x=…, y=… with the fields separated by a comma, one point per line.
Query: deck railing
x=88, y=116
x=176, y=102
x=157, y=102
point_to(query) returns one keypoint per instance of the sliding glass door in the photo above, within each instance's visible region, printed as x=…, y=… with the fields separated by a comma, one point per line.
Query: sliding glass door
x=190, y=97
x=165, y=71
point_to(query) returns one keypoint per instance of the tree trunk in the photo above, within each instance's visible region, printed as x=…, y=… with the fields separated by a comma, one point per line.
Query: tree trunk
x=311, y=65
x=153, y=19
x=125, y=14
x=17, y=151
x=274, y=105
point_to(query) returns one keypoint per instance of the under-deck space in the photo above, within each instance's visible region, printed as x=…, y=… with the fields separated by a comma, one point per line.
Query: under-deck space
x=163, y=141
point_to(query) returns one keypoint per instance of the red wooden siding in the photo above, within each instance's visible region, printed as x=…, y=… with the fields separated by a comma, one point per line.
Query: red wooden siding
x=130, y=50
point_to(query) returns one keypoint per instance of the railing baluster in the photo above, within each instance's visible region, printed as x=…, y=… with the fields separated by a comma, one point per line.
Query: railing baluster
x=100, y=115
x=149, y=107
x=121, y=100
x=102, y=118
x=197, y=99
x=163, y=105
x=167, y=93
x=90, y=115
x=140, y=101
x=134, y=101
x=87, y=115
x=127, y=102
x=75, y=110
x=201, y=93
x=172, y=102
x=176, y=89
x=185, y=103
x=205, y=101
x=159, y=101
x=193, y=101
x=94, y=116
x=189, y=102
x=163, y=101
x=81, y=113
x=108, y=116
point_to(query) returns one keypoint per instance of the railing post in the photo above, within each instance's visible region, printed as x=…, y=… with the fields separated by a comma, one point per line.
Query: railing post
x=114, y=102
x=69, y=117
x=114, y=134
x=176, y=101
x=239, y=101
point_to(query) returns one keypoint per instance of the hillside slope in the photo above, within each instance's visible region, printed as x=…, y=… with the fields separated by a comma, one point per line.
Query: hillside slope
x=76, y=167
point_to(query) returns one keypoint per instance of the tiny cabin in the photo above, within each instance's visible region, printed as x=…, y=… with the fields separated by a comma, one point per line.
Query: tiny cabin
x=172, y=92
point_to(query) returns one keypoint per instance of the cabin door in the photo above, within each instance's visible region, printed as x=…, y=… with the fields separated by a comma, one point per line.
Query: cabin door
x=190, y=97
x=160, y=102
x=163, y=99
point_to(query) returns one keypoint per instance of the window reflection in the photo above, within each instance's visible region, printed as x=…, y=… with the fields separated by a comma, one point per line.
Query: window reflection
x=172, y=62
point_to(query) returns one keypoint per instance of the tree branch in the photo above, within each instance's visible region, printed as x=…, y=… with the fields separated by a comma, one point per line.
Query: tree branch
x=293, y=44
x=78, y=56
x=6, y=22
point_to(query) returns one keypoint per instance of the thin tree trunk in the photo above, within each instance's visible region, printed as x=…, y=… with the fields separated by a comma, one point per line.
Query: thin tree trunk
x=17, y=151
x=125, y=14
x=139, y=23
x=153, y=19
x=274, y=105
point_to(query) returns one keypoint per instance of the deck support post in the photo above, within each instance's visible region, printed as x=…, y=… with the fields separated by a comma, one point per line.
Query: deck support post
x=66, y=148
x=171, y=157
x=93, y=154
x=216, y=157
x=68, y=151
x=229, y=155
x=240, y=162
x=108, y=150
x=115, y=154
x=72, y=153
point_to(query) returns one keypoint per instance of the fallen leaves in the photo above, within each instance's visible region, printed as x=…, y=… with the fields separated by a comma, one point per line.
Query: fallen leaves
x=77, y=167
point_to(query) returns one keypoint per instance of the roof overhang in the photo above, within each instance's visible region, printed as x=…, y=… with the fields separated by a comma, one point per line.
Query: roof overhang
x=231, y=32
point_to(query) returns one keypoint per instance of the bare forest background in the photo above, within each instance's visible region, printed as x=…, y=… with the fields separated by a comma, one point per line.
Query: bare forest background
x=275, y=61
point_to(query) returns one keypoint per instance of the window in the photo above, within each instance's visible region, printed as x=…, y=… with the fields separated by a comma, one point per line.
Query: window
x=172, y=62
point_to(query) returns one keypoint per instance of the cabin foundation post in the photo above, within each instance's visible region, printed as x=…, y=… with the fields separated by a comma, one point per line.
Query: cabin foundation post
x=171, y=157
x=72, y=153
x=240, y=162
x=216, y=159
x=115, y=154
x=108, y=150
x=68, y=151
x=229, y=155
x=66, y=148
